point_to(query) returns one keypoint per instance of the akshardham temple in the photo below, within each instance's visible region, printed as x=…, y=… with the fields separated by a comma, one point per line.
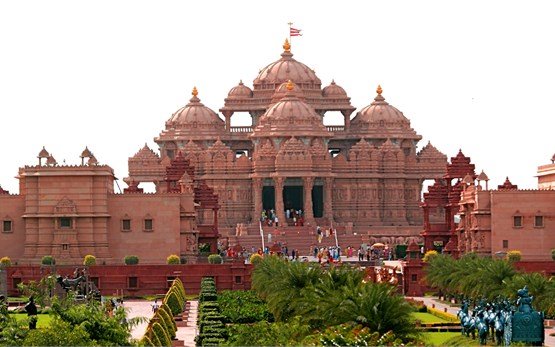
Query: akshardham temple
x=213, y=180
x=365, y=173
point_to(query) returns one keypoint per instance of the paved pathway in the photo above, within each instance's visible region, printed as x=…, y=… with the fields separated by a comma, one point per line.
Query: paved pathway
x=428, y=301
x=138, y=308
x=143, y=308
x=187, y=334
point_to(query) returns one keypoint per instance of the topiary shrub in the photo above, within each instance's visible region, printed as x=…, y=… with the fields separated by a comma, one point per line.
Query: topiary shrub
x=48, y=260
x=146, y=341
x=430, y=255
x=168, y=322
x=168, y=312
x=173, y=303
x=553, y=254
x=255, y=258
x=131, y=260
x=172, y=259
x=513, y=256
x=5, y=261
x=161, y=334
x=215, y=259
x=179, y=285
x=89, y=260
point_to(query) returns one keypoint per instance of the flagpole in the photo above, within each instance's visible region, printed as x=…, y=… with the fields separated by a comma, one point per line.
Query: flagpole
x=290, y=24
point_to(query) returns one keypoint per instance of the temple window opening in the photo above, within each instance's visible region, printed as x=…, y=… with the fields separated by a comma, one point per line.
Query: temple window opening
x=7, y=226
x=148, y=224
x=126, y=225
x=517, y=221
x=65, y=223
x=538, y=222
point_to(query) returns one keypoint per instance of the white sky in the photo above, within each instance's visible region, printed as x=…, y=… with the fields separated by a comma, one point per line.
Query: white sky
x=476, y=75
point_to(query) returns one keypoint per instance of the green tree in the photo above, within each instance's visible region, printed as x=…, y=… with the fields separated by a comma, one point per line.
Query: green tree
x=48, y=260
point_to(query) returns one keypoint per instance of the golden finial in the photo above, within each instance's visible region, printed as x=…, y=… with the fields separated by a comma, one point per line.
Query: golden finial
x=379, y=90
x=290, y=85
x=286, y=46
x=195, y=91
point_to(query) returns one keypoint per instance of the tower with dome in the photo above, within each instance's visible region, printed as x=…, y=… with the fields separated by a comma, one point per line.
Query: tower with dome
x=363, y=176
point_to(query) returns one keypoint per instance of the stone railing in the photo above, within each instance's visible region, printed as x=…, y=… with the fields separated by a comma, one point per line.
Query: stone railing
x=247, y=129
x=335, y=128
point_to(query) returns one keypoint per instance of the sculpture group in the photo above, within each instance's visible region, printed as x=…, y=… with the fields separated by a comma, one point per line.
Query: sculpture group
x=504, y=322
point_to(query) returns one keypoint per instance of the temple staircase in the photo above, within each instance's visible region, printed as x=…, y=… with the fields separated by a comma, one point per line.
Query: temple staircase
x=302, y=238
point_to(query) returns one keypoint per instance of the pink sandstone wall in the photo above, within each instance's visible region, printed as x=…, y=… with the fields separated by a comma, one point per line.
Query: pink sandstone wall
x=535, y=243
x=12, y=243
x=151, y=279
x=152, y=247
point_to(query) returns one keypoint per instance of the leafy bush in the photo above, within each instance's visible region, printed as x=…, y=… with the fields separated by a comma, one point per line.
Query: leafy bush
x=161, y=334
x=146, y=341
x=168, y=322
x=59, y=333
x=553, y=254
x=211, y=341
x=208, y=297
x=172, y=259
x=89, y=260
x=243, y=307
x=131, y=260
x=215, y=259
x=48, y=260
x=513, y=256
x=168, y=311
x=417, y=304
x=5, y=261
x=429, y=255
x=255, y=258
x=173, y=303
x=177, y=283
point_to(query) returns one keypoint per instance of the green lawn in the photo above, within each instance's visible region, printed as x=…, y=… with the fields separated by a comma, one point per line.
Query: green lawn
x=449, y=339
x=43, y=319
x=427, y=318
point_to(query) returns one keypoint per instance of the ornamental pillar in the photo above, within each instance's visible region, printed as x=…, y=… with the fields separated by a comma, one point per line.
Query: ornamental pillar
x=227, y=115
x=328, y=184
x=257, y=199
x=278, y=192
x=308, y=183
x=347, y=116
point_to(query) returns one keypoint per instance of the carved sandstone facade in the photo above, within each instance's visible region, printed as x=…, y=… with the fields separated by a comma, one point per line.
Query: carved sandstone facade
x=366, y=171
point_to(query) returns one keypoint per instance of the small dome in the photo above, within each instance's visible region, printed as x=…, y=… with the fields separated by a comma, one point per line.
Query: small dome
x=381, y=113
x=195, y=115
x=334, y=90
x=286, y=69
x=86, y=153
x=240, y=91
x=43, y=153
x=283, y=89
x=291, y=115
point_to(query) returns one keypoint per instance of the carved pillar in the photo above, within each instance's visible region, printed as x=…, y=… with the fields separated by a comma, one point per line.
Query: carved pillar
x=328, y=185
x=278, y=192
x=227, y=115
x=347, y=116
x=257, y=199
x=308, y=183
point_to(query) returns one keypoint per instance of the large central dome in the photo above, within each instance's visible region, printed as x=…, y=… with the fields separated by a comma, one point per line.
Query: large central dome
x=286, y=69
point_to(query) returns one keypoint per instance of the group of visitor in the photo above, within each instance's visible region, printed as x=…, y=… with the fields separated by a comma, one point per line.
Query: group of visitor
x=327, y=254
x=292, y=216
x=325, y=232
x=269, y=218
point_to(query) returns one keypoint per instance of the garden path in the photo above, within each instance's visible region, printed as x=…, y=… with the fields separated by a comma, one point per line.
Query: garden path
x=187, y=333
x=138, y=308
